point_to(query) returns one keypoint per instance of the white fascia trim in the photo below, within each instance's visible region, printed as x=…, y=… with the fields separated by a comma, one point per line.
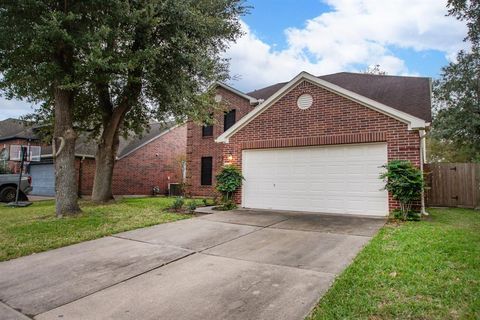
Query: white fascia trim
x=411, y=121
x=237, y=92
x=80, y=155
x=148, y=141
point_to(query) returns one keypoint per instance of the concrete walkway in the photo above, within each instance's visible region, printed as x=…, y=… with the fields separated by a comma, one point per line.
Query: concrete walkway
x=243, y=264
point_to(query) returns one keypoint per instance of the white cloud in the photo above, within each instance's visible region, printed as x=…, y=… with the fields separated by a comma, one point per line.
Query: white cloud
x=351, y=36
x=354, y=33
x=14, y=108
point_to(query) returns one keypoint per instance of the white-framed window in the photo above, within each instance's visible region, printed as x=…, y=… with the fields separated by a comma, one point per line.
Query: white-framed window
x=33, y=153
x=15, y=152
x=4, y=154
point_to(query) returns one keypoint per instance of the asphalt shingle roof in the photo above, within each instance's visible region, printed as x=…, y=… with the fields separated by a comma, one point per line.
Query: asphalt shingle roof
x=408, y=94
x=17, y=129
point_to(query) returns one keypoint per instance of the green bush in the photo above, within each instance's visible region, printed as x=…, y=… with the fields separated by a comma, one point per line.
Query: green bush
x=229, y=179
x=405, y=183
x=411, y=216
x=229, y=205
x=178, y=204
x=192, y=206
x=4, y=169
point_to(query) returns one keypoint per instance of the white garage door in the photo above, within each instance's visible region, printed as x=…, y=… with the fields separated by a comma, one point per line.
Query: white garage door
x=332, y=179
x=43, y=179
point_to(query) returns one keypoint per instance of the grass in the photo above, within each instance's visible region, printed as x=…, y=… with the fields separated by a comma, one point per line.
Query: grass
x=414, y=270
x=24, y=231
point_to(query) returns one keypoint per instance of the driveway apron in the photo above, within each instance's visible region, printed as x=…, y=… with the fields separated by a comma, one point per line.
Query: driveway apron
x=243, y=264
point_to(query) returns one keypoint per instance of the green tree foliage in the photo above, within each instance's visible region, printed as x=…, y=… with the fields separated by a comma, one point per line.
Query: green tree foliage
x=404, y=181
x=39, y=62
x=468, y=11
x=229, y=179
x=129, y=62
x=457, y=92
x=447, y=151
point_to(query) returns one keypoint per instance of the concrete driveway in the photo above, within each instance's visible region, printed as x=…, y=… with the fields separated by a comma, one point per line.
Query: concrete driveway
x=243, y=264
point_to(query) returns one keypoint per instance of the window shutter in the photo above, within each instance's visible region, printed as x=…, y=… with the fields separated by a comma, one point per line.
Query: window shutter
x=228, y=119
x=206, y=171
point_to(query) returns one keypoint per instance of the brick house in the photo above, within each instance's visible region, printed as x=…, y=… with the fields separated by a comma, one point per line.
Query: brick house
x=154, y=158
x=314, y=143
x=14, y=132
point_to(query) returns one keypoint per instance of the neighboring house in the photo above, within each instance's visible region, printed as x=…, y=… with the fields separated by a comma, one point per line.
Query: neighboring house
x=13, y=132
x=151, y=159
x=314, y=143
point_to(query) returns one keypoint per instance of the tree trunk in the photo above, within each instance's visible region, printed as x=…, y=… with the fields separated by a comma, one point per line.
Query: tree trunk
x=65, y=175
x=105, y=163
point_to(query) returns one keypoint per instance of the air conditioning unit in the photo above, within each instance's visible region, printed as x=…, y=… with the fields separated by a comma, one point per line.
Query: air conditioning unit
x=175, y=190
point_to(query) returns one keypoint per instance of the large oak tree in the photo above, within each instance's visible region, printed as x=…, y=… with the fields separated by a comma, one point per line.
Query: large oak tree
x=121, y=63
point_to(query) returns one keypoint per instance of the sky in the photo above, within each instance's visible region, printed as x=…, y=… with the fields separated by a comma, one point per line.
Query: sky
x=281, y=38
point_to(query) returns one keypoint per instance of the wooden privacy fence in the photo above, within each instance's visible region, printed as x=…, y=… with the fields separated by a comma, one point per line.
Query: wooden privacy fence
x=453, y=185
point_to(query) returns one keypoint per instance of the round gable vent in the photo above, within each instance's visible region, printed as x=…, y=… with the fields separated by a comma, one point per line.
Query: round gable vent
x=305, y=101
x=218, y=98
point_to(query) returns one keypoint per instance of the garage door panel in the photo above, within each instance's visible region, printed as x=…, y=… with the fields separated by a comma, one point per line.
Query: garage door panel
x=336, y=179
x=43, y=179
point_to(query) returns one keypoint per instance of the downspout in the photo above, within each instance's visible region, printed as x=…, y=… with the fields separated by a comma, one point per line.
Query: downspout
x=80, y=173
x=423, y=157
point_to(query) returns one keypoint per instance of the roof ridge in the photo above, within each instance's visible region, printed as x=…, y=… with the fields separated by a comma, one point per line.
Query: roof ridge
x=374, y=75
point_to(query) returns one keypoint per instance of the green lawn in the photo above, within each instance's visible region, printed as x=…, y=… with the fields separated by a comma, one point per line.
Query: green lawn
x=414, y=270
x=34, y=229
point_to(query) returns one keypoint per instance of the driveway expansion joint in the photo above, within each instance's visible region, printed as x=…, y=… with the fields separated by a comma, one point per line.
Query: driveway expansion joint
x=271, y=264
x=14, y=310
x=286, y=258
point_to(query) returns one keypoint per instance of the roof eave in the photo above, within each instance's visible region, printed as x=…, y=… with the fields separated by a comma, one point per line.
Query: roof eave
x=251, y=99
x=160, y=134
x=413, y=122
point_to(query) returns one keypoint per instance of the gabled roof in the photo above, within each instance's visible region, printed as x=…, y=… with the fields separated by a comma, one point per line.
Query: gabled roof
x=16, y=129
x=133, y=143
x=238, y=92
x=408, y=94
x=86, y=147
x=413, y=122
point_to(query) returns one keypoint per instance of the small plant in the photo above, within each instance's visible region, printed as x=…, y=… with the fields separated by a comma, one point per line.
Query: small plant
x=411, y=216
x=4, y=169
x=205, y=201
x=229, y=205
x=192, y=206
x=229, y=180
x=405, y=182
x=178, y=204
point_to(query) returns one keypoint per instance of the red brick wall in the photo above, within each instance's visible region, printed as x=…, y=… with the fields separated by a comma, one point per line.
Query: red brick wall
x=85, y=184
x=156, y=164
x=198, y=146
x=331, y=119
x=15, y=165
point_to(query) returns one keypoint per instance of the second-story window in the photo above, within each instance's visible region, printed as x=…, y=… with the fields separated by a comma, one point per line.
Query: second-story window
x=207, y=131
x=228, y=119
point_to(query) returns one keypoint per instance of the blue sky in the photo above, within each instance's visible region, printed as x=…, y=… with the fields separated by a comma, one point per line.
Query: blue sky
x=284, y=37
x=269, y=18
